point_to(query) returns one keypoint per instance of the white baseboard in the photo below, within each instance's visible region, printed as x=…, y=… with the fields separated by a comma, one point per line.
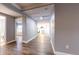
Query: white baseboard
x=52, y=45
x=30, y=39
x=61, y=53
x=11, y=41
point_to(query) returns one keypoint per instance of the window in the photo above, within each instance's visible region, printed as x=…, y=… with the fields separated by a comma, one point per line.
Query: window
x=2, y=30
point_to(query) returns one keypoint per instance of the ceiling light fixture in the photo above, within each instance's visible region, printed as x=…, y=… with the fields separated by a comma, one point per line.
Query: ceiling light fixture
x=41, y=18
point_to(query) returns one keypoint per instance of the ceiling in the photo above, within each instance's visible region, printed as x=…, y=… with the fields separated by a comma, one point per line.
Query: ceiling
x=35, y=10
x=29, y=6
x=45, y=12
x=5, y=10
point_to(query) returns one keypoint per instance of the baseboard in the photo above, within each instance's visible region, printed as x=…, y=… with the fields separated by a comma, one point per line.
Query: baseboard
x=30, y=39
x=52, y=45
x=61, y=53
x=11, y=41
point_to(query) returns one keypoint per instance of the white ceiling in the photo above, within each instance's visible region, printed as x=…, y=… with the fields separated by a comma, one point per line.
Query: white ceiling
x=29, y=6
x=45, y=12
x=5, y=10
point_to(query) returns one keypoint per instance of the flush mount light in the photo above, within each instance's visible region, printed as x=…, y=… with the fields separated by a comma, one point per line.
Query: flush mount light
x=41, y=18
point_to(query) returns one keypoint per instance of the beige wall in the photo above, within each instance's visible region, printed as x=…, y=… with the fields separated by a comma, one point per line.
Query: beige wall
x=67, y=28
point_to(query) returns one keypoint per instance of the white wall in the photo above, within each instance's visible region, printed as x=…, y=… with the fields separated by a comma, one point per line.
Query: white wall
x=30, y=29
x=67, y=28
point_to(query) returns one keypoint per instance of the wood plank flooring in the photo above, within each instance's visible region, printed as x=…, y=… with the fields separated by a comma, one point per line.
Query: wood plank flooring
x=38, y=46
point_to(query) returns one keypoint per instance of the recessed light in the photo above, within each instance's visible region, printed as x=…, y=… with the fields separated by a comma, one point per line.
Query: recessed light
x=41, y=18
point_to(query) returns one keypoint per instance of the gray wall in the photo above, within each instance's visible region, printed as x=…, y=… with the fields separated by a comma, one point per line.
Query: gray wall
x=24, y=29
x=30, y=29
x=67, y=28
x=10, y=28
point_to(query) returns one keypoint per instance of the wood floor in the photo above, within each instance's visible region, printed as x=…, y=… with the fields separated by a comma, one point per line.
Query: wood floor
x=38, y=46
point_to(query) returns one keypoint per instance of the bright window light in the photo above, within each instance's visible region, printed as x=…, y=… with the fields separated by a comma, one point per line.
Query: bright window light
x=2, y=30
x=2, y=17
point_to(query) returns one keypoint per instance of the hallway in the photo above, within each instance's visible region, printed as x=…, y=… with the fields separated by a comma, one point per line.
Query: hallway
x=38, y=46
x=32, y=25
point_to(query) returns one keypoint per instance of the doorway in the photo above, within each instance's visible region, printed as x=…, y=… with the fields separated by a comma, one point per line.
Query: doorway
x=18, y=33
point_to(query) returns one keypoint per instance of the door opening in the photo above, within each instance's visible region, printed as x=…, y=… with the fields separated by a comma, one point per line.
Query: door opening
x=18, y=32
